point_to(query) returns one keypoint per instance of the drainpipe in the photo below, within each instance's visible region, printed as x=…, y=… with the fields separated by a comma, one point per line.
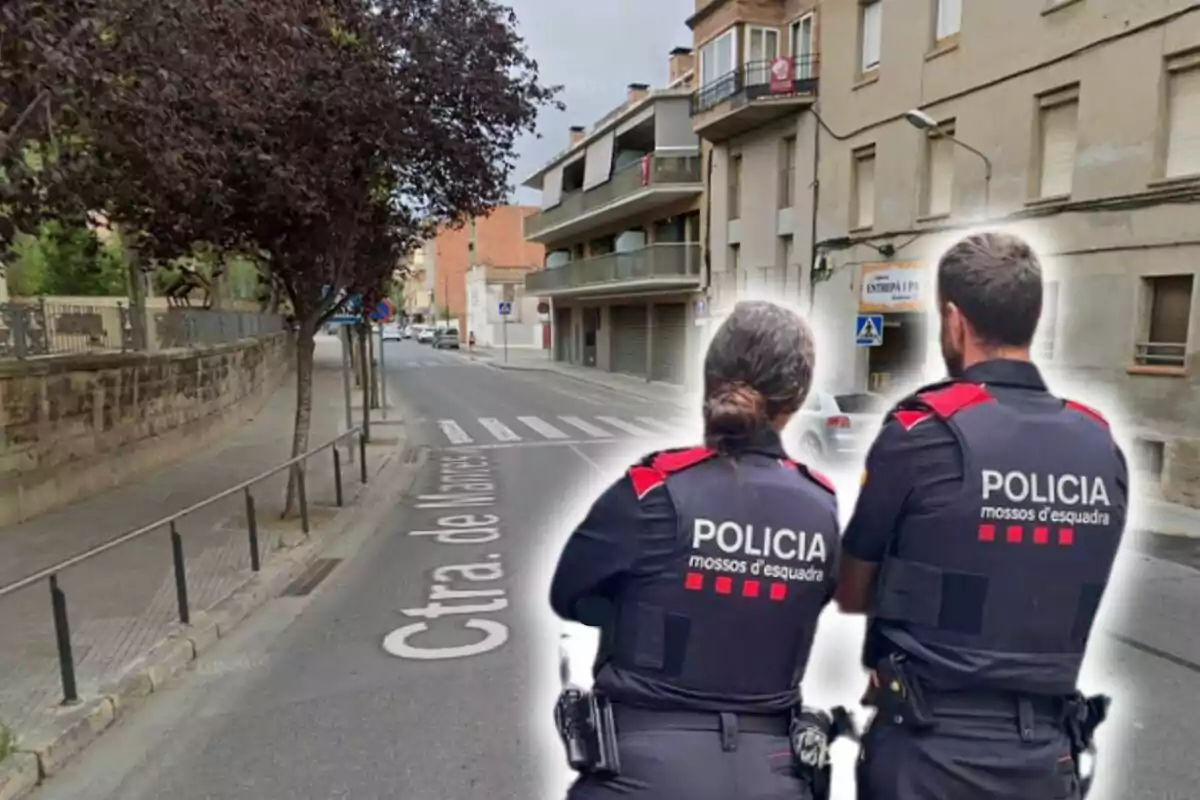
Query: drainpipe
x=816, y=201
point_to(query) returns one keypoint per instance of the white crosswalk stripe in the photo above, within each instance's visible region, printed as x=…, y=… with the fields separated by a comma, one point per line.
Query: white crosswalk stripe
x=622, y=425
x=499, y=429
x=543, y=427
x=453, y=432
x=587, y=427
x=658, y=425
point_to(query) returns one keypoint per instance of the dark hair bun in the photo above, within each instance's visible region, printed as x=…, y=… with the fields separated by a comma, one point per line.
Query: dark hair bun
x=734, y=411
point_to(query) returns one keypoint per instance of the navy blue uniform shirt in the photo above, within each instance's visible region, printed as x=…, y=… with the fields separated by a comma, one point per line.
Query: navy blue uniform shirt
x=918, y=470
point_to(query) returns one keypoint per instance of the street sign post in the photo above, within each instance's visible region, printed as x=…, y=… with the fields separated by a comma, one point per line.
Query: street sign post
x=505, y=313
x=868, y=330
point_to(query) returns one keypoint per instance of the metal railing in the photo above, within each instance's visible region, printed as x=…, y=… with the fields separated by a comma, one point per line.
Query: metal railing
x=754, y=80
x=666, y=260
x=44, y=326
x=652, y=170
x=1161, y=354
x=58, y=598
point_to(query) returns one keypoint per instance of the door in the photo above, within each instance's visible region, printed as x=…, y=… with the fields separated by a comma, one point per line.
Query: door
x=762, y=45
x=670, y=343
x=591, y=324
x=802, y=47
x=629, y=338
x=562, y=334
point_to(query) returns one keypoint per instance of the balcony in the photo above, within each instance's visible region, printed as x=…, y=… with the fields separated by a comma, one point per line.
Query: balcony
x=655, y=267
x=754, y=95
x=650, y=183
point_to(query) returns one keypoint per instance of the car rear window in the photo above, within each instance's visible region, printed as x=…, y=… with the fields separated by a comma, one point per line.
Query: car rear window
x=861, y=403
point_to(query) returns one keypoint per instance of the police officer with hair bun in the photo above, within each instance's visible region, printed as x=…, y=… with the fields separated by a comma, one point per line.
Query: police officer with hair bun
x=705, y=569
x=980, y=548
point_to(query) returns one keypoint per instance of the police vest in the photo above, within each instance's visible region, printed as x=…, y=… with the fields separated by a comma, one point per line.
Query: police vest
x=725, y=621
x=999, y=589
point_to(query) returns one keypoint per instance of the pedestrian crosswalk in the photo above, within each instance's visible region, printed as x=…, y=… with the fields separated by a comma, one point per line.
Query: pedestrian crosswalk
x=566, y=428
x=430, y=363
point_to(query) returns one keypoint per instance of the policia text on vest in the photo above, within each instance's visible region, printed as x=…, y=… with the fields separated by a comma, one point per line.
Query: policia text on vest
x=1064, y=499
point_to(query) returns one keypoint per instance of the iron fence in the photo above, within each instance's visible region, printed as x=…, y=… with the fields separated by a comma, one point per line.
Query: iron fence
x=170, y=525
x=35, y=327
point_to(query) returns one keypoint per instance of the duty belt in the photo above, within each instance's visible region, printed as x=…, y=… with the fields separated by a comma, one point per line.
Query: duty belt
x=630, y=718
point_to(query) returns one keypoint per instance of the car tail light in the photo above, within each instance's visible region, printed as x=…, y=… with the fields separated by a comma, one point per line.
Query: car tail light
x=837, y=422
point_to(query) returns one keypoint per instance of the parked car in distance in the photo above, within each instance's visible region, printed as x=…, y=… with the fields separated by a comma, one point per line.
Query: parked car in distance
x=838, y=427
x=446, y=339
x=426, y=335
x=406, y=332
x=392, y=333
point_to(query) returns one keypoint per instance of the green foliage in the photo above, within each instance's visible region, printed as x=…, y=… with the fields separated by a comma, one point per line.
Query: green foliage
x=66, y=261
x=7, y=742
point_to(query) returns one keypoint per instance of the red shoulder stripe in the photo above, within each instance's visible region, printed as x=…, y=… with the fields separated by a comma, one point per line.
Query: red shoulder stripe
x=909, y=418
x=1088, y=410
x=680, y=460
x=950, y=400
x=817, y=477
x=645, y=480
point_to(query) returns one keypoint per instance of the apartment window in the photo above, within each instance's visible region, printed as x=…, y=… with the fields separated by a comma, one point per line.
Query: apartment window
x=872, y=34
x=1058, y=121
x=735, y=261
x=864, y=188
x=1183, y=121
x=735, y=187
x=1048, y=329
x=1168, y=313
x=939, y=175
x=762, y=45
x=787, y=171
x=718, y=58
x=803, y=48
x=949, y=19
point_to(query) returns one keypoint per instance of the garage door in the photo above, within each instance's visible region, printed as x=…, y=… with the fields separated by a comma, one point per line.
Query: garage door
x=628, y=341
x=670, y=343
x=562, y=334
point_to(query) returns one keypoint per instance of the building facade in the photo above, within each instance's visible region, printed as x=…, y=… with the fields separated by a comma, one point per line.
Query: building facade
x=497, y=239
x=524, y=327
x=620, y=221
x=1075, y=123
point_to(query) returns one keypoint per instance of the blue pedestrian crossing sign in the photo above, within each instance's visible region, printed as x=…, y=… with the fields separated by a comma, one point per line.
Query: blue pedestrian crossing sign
x=505, y=308
x=868, y=330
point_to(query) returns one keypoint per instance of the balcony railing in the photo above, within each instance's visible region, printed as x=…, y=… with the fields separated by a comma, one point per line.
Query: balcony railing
x=656, y=261
x=1161, y=354
x=757, y=80
x=652, y=170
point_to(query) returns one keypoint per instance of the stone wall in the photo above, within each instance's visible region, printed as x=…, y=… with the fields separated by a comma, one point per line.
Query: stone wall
x=71, y=426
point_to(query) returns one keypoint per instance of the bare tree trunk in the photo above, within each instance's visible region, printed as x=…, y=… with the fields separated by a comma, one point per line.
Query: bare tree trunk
x=305, y=345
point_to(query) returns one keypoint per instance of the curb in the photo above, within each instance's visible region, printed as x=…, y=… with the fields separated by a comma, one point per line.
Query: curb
x=43, y=752
x=678, y=403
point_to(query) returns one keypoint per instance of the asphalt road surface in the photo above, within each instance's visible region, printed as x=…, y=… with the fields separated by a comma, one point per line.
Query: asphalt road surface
x=424, y=667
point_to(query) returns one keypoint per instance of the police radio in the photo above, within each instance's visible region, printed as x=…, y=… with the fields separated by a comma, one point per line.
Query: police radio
x=585, y=724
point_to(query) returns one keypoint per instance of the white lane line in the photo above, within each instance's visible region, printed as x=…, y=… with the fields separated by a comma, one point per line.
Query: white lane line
x=587, y=427
x=543, y=427
x=537, y=443
x=657, y=424
x=590, y=461
x=624, y=426
x=499, y=429
x=453, y=432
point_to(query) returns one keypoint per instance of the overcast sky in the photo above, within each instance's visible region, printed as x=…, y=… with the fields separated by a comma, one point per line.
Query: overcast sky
x=594, y=50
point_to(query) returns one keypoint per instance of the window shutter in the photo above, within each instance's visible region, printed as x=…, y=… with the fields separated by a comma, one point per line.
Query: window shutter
x=1183, y=148
x=865, y=175
x=872, y=35
x=941, y=175
x=1058, y=148
x=949, y=18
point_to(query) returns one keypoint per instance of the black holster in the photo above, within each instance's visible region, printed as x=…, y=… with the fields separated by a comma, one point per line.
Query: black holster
x=898, y=695
x=585, y=725
x=811, y=733
x=1083, y=715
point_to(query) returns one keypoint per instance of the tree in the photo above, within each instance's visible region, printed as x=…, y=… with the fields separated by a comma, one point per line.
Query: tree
x=329, y=135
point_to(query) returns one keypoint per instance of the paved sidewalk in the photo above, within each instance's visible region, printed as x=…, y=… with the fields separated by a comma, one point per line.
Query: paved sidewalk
x=123, y=602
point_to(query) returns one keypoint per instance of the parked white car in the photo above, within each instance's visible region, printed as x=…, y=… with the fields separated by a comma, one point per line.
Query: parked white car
x=838, y=427
x=392, y=333
x=426, y=336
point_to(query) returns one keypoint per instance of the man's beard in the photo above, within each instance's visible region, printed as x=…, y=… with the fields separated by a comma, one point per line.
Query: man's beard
x=953, y=359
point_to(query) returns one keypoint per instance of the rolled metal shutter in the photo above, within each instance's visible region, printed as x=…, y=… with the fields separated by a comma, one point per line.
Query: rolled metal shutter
x=629, y=334
x=562, y=334
x=670, y=343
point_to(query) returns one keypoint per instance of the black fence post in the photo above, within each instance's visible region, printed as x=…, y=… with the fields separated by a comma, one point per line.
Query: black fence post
x=62, y=632
x=302, y=493
x=362, y=455
x=252, y=524
x=337, y=474
x=181, y=593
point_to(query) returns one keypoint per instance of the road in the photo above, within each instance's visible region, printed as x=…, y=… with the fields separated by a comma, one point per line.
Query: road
x=424, y=666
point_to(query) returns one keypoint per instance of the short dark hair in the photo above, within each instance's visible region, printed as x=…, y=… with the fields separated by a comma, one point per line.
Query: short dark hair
x=759, y=365
x=995, y=279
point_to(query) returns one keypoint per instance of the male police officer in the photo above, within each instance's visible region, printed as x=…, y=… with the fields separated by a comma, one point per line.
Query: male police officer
x=706, y=570
x=983, y=538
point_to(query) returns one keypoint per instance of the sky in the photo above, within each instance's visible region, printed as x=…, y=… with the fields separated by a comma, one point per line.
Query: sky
x=594, y=50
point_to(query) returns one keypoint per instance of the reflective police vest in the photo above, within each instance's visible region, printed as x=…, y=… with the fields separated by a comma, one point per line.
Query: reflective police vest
x=726, y=620
x=999, y=589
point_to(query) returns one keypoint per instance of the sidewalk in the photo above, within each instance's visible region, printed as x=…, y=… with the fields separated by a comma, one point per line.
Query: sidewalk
x=530, y=359
x=122, y=603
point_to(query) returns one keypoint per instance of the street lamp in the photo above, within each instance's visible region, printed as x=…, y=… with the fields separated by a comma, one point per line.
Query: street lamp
x=923, y=122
